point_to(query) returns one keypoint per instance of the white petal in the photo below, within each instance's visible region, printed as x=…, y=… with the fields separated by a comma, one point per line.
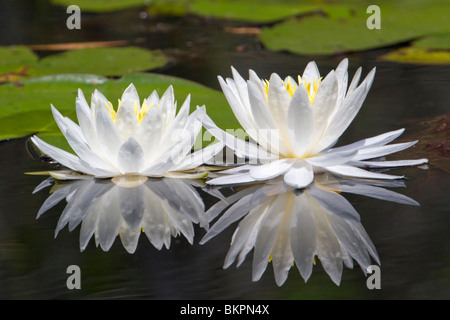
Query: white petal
x=300, y=121
x=299, y=175
x=241, y=87
x=375, y=152
x=282, y=257
x=63, y=157
x=378, y=140
x=267, y=233
x=270, y=170
x=349, y=171
x=149, y=134
x=346, y=113
x=241, y=147
x=168, y=106
x=324, y=105
x=199, y=157
x=231, y=179
x=303, y=235
x=126, y=119
x=238, y=109
x=332, y=158
x=328, y=248
x=379, y=193
x=311, y=72
x=334, y=203
x=130, y=158
x=278, y=101
x=108, y=135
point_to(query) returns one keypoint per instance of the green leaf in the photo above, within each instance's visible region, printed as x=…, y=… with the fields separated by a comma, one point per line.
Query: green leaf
x=109, y=61
x=102, y=5
x=438, y=42
x=319, y=34
x=16, y=59
x=26, y=108
x=415, y=55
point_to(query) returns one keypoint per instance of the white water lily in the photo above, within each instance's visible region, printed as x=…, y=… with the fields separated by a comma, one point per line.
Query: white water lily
x=127, y=206
x=295, y=124
x=148, y=139
x=287, y=226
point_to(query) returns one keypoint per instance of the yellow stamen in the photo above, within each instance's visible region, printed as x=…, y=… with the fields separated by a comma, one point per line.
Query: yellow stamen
x=291, y=87
x=139, y=113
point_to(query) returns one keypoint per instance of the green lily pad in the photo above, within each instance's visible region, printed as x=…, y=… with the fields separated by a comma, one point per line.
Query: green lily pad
x=319, y=34
x=18, y=62
x=437, y=42
x=26, y=108
x=416, y=55
x=103, y=61
x=15, y=58
x=102, y=5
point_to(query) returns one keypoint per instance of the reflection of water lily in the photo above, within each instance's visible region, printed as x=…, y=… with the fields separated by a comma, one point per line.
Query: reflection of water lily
x=296, y=123
x=149, y=139
x=161, y=208
x=291, y=226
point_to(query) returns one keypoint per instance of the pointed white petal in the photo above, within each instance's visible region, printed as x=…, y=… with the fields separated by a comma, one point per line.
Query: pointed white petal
x=300, y=121
x=267, y=233
x=346, y=113
x=311, y=72
x=349, y=171
x=303, y=235
x=375, y=152
x=332, y=158
x=389, y=164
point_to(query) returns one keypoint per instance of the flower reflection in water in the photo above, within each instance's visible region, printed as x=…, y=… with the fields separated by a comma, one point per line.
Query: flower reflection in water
x=125, y=206
x=290, y=227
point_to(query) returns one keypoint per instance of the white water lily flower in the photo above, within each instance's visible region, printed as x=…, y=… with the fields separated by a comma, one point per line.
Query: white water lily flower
x=148, y=139
x=127, y=206
x=287, y=226
x=296, y=123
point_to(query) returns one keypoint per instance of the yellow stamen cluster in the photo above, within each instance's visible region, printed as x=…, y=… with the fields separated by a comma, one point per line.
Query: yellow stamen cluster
x=291, y=87
x=139, y=113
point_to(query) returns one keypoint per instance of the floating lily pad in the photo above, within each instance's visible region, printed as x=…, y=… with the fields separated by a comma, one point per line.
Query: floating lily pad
x=415, y=55
x=262, y=11
x=438, y=42
x=26, y=108
x=103, y=61
x=319, y=34
x=102, y=5
x=18, y=61
x=15, y=61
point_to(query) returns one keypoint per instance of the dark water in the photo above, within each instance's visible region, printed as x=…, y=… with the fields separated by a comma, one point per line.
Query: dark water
x=412, y=241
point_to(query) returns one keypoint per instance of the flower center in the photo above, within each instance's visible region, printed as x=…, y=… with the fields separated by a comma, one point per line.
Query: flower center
x=140, y=113
x=291, y=86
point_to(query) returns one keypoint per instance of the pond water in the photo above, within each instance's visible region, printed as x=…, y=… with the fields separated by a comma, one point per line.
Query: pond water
x=412, y=241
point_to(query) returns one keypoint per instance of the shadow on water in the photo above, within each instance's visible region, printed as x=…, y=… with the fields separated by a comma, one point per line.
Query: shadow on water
x=411, y=242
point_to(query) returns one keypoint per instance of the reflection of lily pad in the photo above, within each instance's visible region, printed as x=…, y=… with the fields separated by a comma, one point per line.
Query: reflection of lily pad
x=418, y=56
x=328, y=35
x=26, y=108
x=102, y=5
x=103, y=61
